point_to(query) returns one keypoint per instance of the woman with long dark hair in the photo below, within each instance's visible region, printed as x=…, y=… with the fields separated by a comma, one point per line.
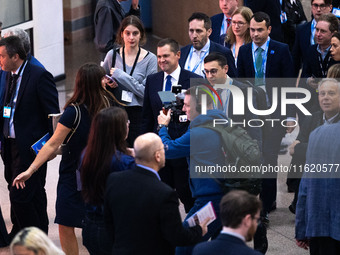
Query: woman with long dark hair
x=106, y=152
x=129, y=66
x=89, y=97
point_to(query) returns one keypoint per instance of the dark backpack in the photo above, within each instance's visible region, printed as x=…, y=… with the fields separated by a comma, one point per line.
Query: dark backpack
x=240, y=150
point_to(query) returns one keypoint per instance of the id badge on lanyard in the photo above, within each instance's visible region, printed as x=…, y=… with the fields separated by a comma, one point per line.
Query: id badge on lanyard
x=7, y=112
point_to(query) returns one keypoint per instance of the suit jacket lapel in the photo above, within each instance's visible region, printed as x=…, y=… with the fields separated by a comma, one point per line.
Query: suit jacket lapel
x=270, y=55
x=23, y=83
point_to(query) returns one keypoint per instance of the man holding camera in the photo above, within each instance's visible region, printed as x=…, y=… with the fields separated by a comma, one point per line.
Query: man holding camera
x=175, y=172
x=203, y=148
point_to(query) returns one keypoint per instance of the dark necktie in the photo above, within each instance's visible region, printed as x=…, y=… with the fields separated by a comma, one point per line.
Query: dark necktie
x=228, y=23
x=259, y=67
x=9, y=101
x=168, y=83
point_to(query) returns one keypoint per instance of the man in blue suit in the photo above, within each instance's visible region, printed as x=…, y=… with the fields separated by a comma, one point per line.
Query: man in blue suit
x=317, y=211
x=175, y=172
x=262, y=59
x=240, y=214
x=273, y=9
x=304, y=36
x=221, y=22
x=25, y=39
x=30, y=96
x=192, y=55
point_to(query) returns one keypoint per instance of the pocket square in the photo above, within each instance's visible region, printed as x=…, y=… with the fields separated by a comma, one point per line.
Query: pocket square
x=272, y=52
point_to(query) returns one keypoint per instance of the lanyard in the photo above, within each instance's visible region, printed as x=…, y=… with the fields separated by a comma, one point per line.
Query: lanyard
x=134, y=64
x=198, y=63
x=312, y=29
x=323, y=71
x=264, y=59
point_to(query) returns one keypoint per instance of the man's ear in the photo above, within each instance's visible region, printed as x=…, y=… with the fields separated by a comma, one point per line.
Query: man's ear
x=209, y=31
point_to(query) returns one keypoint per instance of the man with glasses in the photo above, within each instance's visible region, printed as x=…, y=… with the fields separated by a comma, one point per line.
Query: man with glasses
x=305, y=33
x=192, y=55
x=215, y=69
x=240, y=216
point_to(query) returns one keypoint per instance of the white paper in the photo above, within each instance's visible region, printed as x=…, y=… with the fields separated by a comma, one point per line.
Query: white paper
x=203, y=213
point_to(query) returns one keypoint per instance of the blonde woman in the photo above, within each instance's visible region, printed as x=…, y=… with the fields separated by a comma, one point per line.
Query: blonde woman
x=238, y=33
x=33, y=241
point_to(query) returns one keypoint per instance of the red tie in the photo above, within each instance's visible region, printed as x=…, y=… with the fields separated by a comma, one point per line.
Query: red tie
x=228, y=22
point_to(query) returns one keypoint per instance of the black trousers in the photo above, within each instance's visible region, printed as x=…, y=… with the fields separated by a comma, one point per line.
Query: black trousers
x=271, y=148
x=135, y=128
x=324, y=246
x=176, y=175
x=28, y=205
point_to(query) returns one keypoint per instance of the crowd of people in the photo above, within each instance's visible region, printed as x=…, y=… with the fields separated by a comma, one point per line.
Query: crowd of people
x=130, y=137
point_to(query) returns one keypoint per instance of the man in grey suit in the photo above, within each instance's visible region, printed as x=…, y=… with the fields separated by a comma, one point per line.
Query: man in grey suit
x=317, y=212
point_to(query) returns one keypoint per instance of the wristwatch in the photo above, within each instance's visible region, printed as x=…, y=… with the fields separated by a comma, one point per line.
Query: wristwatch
x=160, y=126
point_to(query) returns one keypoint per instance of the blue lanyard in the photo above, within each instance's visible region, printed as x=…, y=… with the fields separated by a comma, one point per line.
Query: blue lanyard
x=312, y=29
x=264, y=59
x=199, y=62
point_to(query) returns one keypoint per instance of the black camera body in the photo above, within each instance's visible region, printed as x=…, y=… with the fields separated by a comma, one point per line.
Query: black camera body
x=175, y=105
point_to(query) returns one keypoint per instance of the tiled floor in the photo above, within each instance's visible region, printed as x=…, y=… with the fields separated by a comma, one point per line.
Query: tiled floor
x=281, y=229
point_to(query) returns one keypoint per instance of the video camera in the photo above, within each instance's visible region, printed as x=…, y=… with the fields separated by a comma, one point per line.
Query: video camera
x=174, y=100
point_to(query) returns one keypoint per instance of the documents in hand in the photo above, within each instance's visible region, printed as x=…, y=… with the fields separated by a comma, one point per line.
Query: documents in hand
x=203, y=213
x=36, y=147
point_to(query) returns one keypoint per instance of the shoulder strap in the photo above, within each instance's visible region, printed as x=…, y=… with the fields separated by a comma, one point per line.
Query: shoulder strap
x=114, y=54
x=75, y=123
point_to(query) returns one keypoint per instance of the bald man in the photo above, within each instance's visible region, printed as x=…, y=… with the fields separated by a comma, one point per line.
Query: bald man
x=141, y=212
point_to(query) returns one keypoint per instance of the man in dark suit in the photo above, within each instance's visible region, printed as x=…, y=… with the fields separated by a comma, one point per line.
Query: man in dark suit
x=273, y=9
x=141, y=213
x=107, y=18
x=262, y=59
x=240, y=214
x=319, y=58
x=304, y=36
x=175, y=172
x=192, y=55
x=221, y=22
x=29, y=97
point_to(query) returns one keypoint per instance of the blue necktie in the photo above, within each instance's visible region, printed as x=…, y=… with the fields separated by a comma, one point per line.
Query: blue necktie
x=168, y=83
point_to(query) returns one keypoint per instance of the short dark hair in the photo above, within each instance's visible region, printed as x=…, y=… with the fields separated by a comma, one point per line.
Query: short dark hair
x=13, y=46
x=201, y=16
x=133, y=21
x=336, y=35
x=174, y=46
x=332, y=20
x=215, y=56
x=261, y=16
x=327, y=2
x=235, y=205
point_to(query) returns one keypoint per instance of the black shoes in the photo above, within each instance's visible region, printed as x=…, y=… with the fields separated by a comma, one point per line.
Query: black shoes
x=292, y=208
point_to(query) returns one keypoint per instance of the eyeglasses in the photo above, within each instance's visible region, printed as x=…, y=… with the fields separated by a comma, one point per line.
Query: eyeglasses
x=212, y=71
x=321, y=6
x=240, y=24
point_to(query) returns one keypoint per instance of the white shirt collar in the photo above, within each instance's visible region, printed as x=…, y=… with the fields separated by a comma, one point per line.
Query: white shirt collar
x=263, y=46
x=205, y=48
x=175, y=74
x=227, y=231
